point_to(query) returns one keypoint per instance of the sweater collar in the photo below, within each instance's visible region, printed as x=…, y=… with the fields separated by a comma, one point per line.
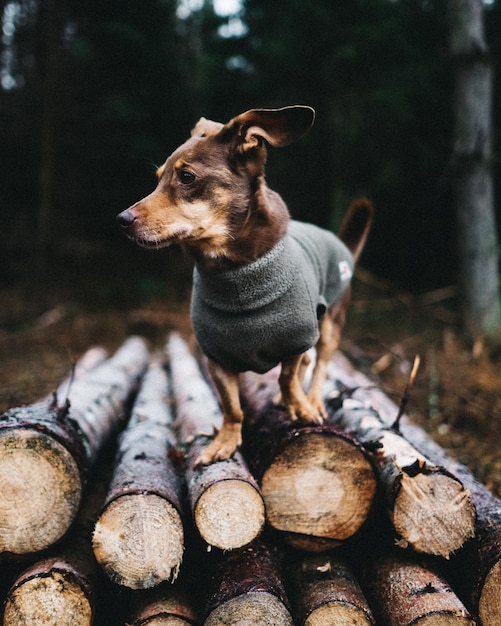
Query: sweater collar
x=250, y=286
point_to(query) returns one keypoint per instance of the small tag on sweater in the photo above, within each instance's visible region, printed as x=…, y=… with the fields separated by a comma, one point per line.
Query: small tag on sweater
x=345, y=271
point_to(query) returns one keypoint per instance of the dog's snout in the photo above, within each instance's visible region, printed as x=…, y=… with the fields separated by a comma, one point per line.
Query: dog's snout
x=126, y=218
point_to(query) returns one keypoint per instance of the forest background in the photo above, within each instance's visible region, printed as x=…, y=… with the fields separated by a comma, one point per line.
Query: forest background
x=94, y=95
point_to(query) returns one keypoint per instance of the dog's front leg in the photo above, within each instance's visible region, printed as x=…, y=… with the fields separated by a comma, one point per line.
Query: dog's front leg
x=229, y=437
x=293, y=397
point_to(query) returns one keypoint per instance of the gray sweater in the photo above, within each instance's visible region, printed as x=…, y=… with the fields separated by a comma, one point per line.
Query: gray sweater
x=254, y=316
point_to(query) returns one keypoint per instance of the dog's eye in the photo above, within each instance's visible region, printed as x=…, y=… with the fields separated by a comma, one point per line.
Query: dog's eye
x=186, y=177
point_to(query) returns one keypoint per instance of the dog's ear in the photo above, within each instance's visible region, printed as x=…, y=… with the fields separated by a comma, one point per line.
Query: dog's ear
x=206, y=128
x=279, y=127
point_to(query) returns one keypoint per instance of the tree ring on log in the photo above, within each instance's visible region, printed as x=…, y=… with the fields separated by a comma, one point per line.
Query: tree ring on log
x=489, y=605
x=255, y=607
x=41, y=490
x=230, y=514
x=320, y=485
x=27, y=604
x=139, y=540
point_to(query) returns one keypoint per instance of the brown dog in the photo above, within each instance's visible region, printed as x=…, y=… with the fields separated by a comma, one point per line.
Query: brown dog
x=266, y=288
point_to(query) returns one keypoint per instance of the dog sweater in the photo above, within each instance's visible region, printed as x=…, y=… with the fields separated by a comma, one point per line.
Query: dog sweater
x=255, y=316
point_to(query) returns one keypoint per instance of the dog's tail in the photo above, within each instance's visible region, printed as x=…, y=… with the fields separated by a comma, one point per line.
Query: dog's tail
x=356, y=224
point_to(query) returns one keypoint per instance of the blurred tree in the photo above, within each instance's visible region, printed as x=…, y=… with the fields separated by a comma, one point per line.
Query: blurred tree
x=471, y=166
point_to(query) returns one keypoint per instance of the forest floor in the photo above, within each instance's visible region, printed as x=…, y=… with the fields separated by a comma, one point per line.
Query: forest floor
x=46, y=324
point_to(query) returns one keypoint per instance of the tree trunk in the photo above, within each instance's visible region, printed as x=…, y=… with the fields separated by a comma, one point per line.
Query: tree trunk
x=225, y=499
x=52, y=15
x=405, y=593
x=475, y=570
x=317, y=482
x=325, y=591
x=471, y=160
x=248, y=589
x=429, y=508
x=139, y=536
x=46, y=450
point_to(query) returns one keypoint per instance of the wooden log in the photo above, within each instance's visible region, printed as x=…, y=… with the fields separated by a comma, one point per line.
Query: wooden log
x=166, y=605
x=139, y=536
x=226, y=503
x=475, y=570
x=429, y=508
x=247, y=588
x=317, y=482
x=46, y=450
x=406, y=593
x=63, y=587
x=324, y=590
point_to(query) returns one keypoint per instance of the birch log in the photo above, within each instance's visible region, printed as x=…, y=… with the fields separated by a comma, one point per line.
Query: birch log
x=475, y=570
x=324, y=591
x=429, y=508
x=139, y=536
x=406, y=593
x=226, y=503
x=63, y=587
x=248, y=589
x=317, y=482
x=46, y=450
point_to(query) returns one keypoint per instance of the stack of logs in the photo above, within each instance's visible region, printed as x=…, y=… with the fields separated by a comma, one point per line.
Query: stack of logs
x=106, y=519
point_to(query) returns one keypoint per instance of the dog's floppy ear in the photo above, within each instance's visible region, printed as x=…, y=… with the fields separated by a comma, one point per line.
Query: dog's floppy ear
x=279, y=127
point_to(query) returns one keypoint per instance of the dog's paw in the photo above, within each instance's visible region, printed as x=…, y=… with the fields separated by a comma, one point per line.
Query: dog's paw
x=318, y=404
x=224, y=445
x=304, y=411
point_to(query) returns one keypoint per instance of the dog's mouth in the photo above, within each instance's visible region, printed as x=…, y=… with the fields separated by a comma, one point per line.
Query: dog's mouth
x=154, y=243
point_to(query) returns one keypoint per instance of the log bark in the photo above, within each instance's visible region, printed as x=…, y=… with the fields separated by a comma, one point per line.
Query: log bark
x=226, y=503
x=63, y=587
x=248, y=588
x=429, y=508
x=47, y=450
x=139, y=536
x=475, y=570
x=326, y=592
x=318, y=484
x=162, y=606
x=406, y=593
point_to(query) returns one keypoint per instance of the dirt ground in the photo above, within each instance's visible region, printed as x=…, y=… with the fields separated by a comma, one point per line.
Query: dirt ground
x=46, y=325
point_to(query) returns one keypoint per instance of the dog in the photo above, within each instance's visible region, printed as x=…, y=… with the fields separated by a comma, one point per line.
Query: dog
x=265, y=287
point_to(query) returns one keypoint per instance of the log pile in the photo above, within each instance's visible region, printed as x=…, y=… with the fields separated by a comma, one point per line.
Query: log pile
x=106, y=519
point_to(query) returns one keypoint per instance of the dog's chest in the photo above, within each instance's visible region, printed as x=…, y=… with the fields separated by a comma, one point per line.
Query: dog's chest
x=253, y=317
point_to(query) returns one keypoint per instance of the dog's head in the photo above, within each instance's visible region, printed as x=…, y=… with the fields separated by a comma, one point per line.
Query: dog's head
x=209, y=184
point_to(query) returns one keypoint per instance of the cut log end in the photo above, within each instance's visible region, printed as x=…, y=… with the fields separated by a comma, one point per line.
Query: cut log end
x=28, y=604
x=337, y=613
x=139, y=541
x=489, y=607
x=433, y=513
x=41, y=490
x=320, y=485
x=229, y=514
x=255, y=607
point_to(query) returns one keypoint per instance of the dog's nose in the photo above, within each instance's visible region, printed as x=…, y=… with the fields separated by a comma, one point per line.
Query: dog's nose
x=125, y=218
